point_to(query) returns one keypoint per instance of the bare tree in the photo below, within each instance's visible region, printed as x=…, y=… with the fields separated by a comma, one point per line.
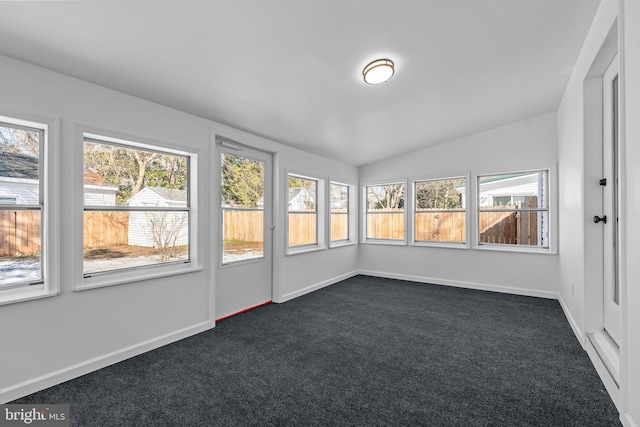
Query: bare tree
x=166, y=228
x=123, y=167
x=143, y=158
x=20, y=141
x=386, y=196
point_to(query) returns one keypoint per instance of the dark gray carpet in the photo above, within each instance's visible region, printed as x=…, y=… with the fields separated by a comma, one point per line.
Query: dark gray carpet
x=366, y=352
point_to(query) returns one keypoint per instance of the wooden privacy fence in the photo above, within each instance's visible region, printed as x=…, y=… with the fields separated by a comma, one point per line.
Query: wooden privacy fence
x=105, y=229
x=511, y=228
x=507, y=227
x=20, y=230
x=440, y=226
x=302, y=229
x=248, y=226
x=386, y=224
x=19, y=233
x=243, y=225
x=339, y=226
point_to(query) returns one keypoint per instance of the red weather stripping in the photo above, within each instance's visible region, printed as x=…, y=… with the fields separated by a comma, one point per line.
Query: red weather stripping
x=244, y=311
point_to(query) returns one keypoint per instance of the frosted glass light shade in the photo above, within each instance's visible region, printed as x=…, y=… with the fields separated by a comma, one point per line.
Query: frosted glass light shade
x=378, y=71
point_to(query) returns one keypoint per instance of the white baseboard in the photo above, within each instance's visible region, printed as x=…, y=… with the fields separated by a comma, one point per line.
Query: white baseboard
x=315, y=287
x=48, y=380
x=572, y=322
x=460, y=284
x=627, y=421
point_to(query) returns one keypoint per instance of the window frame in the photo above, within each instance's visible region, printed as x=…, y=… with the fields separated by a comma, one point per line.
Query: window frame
x=365, y=212
x=466, y=203
x=134, y=274
x=551, y=209
x=319, y=212
x=351, y=215
x=49, y=283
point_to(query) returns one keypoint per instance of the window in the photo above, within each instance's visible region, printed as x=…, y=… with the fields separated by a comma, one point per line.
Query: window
x=8, y=200
x=439, y=214
x=513, y=209
x=385, y=212
x=302, y=211
x=22, y=208
x=243, y=207
x=342, y=230
x=137, y=206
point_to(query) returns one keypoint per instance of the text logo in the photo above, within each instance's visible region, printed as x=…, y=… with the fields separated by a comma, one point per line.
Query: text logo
x=40, y=415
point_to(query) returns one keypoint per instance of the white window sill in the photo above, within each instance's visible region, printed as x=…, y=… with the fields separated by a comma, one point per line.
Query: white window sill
x=385, y=242
x=515, y=249
x=304, y=249
x=341, y=244
x=447, y=245
x=28, y=293
x=238, y=262
x=128, y=276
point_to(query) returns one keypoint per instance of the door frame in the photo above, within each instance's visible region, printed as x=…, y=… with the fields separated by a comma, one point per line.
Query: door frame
x=607, y=356
x=216, y=242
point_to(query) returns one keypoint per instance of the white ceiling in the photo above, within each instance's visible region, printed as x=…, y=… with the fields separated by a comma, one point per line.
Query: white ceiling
x=290, y=70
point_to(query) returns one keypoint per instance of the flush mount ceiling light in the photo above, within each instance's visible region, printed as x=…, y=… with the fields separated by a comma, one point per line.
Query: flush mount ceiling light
x=378, y=71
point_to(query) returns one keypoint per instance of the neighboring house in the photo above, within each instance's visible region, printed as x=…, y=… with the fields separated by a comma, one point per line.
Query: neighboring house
x=301, y=199
x=165, y=225
x=519, y=190
x=18, y=179
x=19, y=175
x=96, y=193
x=510, y=190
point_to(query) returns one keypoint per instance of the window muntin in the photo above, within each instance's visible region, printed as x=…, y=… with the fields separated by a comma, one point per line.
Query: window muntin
x=21, y=205
x=513, y=209
x=136, y=207
x=439, y=214
x=302, y=211
x=385, y=211
x=339, y=205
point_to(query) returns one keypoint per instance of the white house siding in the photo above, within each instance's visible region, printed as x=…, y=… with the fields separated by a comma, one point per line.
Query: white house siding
x=140, y=227
x=96, y=195
x=527, y=185
x=523, y=185
x=299, y=199
x=140, y=223
x=24, y=190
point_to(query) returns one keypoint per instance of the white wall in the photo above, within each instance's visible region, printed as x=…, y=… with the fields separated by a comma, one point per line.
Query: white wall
x=305, y=272
x=53, y=339
x=526, y=144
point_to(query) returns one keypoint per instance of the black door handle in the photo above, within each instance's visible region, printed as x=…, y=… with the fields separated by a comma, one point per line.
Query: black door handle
x=597, y=219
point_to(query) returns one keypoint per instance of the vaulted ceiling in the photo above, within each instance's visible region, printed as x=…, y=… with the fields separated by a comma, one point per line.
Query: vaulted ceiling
x=290, y=70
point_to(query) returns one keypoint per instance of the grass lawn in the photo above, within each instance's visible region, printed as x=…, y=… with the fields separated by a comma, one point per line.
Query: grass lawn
x=124, y=251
